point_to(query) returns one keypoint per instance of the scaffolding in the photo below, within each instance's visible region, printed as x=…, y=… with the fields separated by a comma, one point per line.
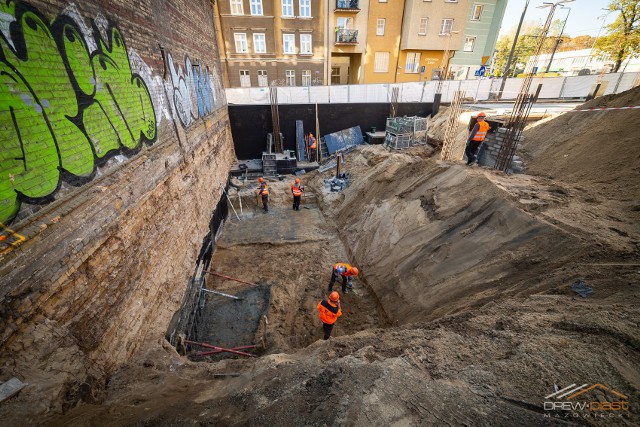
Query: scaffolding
x=405, y=132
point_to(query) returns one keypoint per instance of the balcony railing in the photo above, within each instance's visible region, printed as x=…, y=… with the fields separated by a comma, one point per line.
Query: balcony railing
x=345, y=36
x=348, y=5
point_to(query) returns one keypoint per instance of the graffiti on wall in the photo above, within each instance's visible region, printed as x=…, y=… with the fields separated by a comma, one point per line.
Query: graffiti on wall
x=62, y=106
x=191, y=89
x=72, y=96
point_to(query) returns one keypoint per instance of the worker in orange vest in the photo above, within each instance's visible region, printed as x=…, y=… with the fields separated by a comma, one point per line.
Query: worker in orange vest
x=263, y=191
x=296, y=189
x=312, y=148
x=476, y=137
x=329, y=311
x=346, y=272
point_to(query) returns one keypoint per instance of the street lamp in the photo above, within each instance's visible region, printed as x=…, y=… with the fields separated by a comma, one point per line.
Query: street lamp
x=553, y=7
x=559, y=39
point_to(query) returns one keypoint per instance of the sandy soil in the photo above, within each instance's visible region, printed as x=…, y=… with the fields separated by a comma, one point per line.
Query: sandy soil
x=464, y=313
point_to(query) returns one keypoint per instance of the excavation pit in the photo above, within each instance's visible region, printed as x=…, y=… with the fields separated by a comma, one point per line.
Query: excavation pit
x=231, y=323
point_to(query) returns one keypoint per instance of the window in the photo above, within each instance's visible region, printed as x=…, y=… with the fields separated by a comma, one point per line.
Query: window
x=245, y=78
x=413, y=62
x=382, y=1
x=451, y=1
x=291, y=77
x=469, y=43
x=287, y=8
x=241, y=42
x=380, y=27
x=306, y=78
x=344, y=22
x=423, y=26
x=305, y=8
x=259, y=43
x=335, y=75
x=236, y=7
x=381, y=62
x=262, y=78
x=477, y=12
x=289, y=43
x=256, y=7
x=447, y=26
x=305, y=44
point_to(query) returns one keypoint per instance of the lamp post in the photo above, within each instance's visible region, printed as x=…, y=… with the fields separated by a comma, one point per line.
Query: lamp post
x=513, y=48
x=553, y=7
x=559, y=39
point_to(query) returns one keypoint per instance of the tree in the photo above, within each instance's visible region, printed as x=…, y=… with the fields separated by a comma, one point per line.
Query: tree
x=526, y=46
x=623, y=37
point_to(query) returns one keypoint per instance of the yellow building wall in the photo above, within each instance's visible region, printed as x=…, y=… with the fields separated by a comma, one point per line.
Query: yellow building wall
x=431, y=59
x=392, y=12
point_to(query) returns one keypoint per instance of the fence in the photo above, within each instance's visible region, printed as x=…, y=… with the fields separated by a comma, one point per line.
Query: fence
x=477, y=90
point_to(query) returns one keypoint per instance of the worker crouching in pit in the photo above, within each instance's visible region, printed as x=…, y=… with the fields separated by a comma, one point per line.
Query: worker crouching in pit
x=346, y=272
x=329, y=310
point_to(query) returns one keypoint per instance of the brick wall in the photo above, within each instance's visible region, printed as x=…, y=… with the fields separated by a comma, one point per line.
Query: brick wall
x=491, y=147
x=114, y=142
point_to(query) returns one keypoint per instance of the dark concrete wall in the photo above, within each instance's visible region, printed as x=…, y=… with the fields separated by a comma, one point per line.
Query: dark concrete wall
x=251, y=123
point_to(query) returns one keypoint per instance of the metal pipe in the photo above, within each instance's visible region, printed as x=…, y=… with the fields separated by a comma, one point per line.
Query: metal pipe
x=221, y=294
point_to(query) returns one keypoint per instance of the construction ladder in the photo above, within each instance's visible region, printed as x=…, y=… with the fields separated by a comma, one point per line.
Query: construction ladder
x=269, y=167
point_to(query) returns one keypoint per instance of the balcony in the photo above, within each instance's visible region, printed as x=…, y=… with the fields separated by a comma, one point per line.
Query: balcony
x=347, y=6
x=345, y=36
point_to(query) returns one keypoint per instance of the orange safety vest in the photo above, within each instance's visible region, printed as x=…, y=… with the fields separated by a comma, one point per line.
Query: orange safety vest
x=482, y=131
x=347, y=266
x=296, y=190
x=264, y=189
x=329, y=313
x=312, y=143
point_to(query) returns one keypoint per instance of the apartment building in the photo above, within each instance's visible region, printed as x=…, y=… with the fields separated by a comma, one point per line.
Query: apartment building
x=480, y=36
x=270, y=42
x=383, y=41
x=347, y=40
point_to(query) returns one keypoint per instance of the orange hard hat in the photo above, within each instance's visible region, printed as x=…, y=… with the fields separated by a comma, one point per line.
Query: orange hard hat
x=261, y=179
x=354, y=270
x=482, y=114
x=297, y=180
x=334, y=296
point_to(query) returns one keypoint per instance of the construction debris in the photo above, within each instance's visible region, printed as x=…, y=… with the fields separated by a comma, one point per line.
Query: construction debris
x=336, y=185
x=10, y=388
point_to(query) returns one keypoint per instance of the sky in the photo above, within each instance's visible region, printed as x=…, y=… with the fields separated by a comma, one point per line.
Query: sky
x=585, y=17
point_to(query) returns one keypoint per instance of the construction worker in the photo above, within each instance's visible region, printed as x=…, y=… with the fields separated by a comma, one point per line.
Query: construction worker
x=476, y=137
x=263, y=191
x=297, y=189
x=312, y=148
x=329, y=310
x=346, y=272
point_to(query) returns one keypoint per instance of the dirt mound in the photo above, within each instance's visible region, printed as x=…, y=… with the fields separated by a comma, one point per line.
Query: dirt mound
x=599, y=147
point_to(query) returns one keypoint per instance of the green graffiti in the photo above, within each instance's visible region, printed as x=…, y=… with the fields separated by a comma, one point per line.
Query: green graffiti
x=63, y=108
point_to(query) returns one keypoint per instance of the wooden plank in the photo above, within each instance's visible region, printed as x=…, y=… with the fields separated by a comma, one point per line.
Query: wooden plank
x=10, y=388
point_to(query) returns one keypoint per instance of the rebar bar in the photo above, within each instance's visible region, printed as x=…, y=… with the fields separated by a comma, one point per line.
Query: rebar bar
x=449, y=143
x=522, y=107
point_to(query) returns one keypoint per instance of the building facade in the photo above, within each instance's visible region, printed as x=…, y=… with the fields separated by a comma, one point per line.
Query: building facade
x=322, y=42
x=431, y=31
x=479, y=40
x=272, y=42
x=383, y=44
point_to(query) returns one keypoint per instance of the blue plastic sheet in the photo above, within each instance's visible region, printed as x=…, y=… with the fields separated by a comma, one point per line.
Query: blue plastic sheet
x=343, y=139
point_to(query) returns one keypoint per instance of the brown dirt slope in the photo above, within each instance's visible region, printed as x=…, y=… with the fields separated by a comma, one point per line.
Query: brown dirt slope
x=601, y=147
